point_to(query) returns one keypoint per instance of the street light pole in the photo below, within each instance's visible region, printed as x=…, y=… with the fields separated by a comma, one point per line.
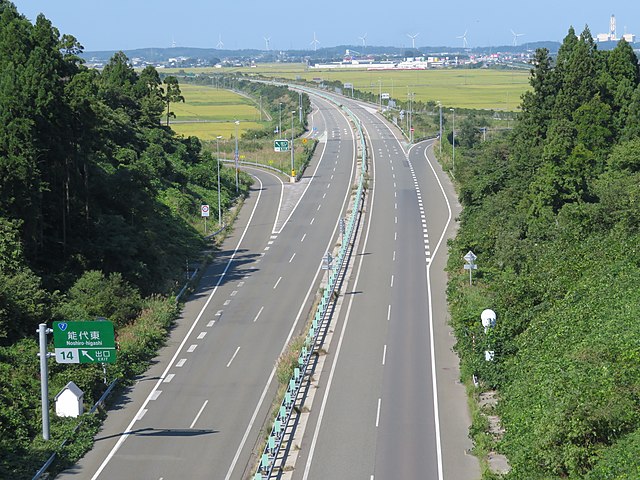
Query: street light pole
x=237, y=154
x=218, y=162
x=440, y=105
x=454, y=139
x=411, y=117
x=293, y=172
x=280, y=124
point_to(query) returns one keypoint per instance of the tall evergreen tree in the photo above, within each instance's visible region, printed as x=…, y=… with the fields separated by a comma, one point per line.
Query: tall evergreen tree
x=172, y=95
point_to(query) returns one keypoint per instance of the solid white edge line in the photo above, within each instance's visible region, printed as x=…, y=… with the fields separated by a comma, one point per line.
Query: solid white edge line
x=199, y=413
x=434, y=381
x=432, y=348
x=302, y=306
x=127, y=431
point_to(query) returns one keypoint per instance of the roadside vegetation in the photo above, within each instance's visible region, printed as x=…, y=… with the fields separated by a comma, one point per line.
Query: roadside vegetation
x=552, y=211
x=269, y=108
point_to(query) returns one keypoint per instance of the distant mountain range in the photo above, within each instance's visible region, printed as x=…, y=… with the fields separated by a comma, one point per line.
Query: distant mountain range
x=325, y=53
x=162, y=54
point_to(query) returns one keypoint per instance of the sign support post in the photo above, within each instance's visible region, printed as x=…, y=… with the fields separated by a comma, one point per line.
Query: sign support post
x=44, y=377
x=470, y=258
x=204, y=213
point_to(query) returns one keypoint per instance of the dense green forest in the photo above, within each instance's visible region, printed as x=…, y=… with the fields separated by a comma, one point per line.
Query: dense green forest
x=99, y=204
x=552, y=210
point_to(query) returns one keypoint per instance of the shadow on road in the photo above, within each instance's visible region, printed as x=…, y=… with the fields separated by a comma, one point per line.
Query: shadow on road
x=241, y=266
x=162, y=432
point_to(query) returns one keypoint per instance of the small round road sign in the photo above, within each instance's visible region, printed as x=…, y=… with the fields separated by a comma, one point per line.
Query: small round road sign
x=204, y=210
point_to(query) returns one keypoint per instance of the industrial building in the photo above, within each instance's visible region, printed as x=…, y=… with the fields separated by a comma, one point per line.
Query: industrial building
x=612, y=35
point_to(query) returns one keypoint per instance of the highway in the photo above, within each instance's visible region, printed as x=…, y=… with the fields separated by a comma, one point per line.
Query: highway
x=390, y=406
x=198, y=411
x=384, y=408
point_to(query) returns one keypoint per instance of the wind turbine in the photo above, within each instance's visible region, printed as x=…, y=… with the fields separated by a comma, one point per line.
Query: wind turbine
x=315, y=42
x=515, y=37
x=464, y=39
x=413, y=40
x=220, y=44
x=364, y=40
x=266, y=41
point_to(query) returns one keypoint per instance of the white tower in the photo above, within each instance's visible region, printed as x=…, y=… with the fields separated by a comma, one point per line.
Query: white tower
x=612, y=28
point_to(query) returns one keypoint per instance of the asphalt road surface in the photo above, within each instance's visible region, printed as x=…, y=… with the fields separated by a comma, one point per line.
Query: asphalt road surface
x=198, y=411
x=389, y=405
x=386, y=409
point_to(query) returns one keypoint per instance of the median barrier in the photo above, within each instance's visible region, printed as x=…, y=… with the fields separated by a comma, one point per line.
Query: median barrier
x=275, y=440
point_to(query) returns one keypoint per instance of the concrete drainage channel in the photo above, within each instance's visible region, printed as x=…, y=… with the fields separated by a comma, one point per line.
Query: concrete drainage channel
x=280, y=452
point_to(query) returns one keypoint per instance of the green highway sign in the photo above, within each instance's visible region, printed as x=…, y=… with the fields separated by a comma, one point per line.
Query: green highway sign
x=84, y=342
x=281, y=145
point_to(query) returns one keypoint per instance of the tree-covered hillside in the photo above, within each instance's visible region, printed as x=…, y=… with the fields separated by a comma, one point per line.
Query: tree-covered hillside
x=552, y=210
x=89, y=179
x=98, y=203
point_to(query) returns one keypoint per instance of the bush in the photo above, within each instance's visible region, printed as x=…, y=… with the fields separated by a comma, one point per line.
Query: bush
x=94, y=295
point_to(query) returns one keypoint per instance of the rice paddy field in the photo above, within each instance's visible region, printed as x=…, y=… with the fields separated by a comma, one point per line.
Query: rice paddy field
x=208, y=112
x=456, y=88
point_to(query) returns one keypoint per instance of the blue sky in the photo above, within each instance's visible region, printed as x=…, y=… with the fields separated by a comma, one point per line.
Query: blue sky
x=121, y=25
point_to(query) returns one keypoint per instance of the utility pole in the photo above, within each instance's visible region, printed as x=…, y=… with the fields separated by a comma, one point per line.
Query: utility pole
x=454, y=140
x=218, y=162
x=411, y=117
x=237, y=154
x=440, y=105
x=293, y=172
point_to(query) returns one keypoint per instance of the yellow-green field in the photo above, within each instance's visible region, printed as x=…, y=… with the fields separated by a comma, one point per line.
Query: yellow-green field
x=210, y=130
x=459, y=88
x=211, y=112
